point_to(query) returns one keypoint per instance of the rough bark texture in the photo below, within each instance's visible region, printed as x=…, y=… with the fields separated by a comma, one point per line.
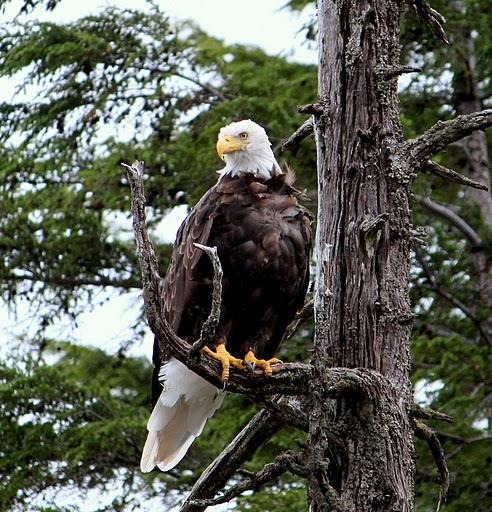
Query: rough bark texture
x=362, y=309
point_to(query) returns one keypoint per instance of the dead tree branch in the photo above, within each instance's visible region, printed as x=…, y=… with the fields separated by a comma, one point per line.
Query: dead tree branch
x=241, y=449
x=304, y=131
x=302, y=316
x=286, y=379
x=444, y=172
x=425, y=413
x=314, y=109
x=422, y=431
x=430, y=16
x=210, y=325
x=387, y=73
x=448, y=214
x=289, y=410
x=151, y=280
x=416, y=152
x=282, y=463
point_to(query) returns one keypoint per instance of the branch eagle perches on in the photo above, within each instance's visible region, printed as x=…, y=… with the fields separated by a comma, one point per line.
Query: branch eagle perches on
x=290, y=378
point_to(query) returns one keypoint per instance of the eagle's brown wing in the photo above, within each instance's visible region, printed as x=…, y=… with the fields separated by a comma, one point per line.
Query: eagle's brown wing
x=179, y=285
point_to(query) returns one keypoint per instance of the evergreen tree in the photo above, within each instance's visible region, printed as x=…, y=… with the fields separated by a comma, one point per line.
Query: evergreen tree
x=104, y=89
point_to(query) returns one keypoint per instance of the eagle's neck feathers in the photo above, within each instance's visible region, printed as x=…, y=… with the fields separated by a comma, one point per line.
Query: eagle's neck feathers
x=256, y=159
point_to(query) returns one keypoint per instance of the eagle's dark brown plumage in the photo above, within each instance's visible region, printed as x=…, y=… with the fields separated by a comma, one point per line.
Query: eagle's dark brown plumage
x=263, y=238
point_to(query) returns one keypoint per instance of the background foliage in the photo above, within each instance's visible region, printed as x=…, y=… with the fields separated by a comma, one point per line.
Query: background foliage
x=127, y=84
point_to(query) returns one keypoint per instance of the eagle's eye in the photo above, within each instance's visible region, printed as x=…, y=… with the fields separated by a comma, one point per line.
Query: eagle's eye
x=243, y=135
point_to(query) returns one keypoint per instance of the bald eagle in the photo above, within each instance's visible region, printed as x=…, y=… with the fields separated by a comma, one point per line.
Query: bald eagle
x=263, y=238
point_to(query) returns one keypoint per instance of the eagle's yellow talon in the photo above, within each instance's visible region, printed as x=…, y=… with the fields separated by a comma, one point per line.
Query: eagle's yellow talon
x=225, y=359
x=251, y=361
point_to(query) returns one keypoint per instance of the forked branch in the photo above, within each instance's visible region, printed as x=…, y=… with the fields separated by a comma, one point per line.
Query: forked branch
x=240, y=450
x=287, y=461
x=416, y=152
x=286, y=379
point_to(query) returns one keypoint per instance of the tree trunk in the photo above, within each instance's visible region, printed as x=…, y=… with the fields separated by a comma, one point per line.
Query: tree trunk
x=361, y=445
x=476, y=164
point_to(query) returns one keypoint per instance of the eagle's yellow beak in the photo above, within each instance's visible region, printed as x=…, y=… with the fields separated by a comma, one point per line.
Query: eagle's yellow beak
x=228, y=144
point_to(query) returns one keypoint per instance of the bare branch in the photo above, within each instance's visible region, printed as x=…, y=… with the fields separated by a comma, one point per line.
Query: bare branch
x=304, y=131
x=315, y=109
x=241, y=449
x=430, y=16
x=422, y=431
x=387, y=73
x=302, y=316
x=210, y=325
x=288, y=409
x=452, y=217
x=416, y=152
x=451, y=175
x=286, y=379
x=280, y=465
x=149, y=267
x=206, y=87
x=429, y=414
x=466, y=440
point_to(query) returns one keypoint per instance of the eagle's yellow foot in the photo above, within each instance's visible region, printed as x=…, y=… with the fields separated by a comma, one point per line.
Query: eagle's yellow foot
x=251, y=362
x=226, y=360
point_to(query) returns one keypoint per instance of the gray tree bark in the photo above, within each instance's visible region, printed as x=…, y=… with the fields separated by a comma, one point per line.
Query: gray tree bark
x=362, y=308
x=476, y=159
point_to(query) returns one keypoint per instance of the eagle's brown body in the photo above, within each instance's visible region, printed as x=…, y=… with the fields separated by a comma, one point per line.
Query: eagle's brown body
x=263, y=239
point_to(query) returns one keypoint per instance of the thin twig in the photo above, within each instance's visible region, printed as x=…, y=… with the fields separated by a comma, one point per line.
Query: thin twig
x=426, y=413
x=210, y=325
x=304, y=131
x=241, y=449
x=422, y=431
x=430, y=16
x=466, y=440
x=451, y=175
x=269, y=472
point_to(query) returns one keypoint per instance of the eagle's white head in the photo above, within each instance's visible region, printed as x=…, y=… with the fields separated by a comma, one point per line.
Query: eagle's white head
x=245, y=148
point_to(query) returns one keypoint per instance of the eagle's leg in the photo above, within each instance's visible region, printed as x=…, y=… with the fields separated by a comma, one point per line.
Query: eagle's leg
x=225, y=359
x=266, y=365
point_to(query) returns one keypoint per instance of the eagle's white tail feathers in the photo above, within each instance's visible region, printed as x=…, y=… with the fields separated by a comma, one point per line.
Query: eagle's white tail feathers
x=185, y=404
